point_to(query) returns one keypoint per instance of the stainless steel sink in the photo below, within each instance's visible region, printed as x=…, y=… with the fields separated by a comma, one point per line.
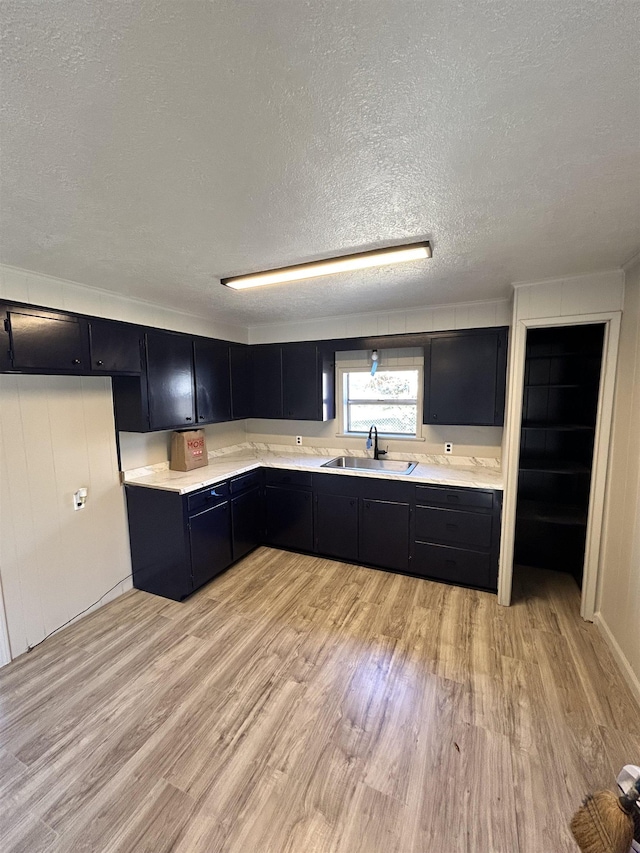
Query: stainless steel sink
x=384, y=466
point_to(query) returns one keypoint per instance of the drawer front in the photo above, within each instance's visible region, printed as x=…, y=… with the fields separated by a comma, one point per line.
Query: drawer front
x=281, y=477
x=245, y=481
x=455, y=565
x=455, y=526
x=207, y=497
x=474, y=498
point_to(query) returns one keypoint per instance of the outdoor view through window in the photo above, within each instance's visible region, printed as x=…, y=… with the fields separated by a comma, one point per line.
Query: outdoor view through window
x=389, y=399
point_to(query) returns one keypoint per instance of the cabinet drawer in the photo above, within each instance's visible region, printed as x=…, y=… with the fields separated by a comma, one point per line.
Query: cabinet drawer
x=245, y=481
x=278, y=477
x=455, y=565
x=456, y=526
x=431, y=496
x=207, y=497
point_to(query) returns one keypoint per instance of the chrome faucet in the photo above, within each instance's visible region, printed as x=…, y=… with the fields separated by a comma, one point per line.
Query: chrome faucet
x=376, y=452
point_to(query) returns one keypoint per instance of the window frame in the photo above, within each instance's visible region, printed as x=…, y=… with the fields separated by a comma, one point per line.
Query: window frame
x=344, y=369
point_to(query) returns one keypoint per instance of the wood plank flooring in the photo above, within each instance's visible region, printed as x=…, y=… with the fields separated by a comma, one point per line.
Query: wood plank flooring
x=297, y=705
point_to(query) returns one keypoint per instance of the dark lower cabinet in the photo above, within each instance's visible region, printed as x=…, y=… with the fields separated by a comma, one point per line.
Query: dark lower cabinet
x=289, y=517
x=456, y=536
x=179, y=543
x=453, y=565
x=210, y=543
x=384, y=534
x=246, y=522
x=336, y=526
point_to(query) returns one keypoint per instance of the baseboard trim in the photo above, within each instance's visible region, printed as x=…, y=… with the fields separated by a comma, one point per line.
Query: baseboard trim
x=620, y=658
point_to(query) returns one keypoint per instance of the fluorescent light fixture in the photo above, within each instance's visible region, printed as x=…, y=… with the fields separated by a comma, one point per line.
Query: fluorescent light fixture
x=346, y=263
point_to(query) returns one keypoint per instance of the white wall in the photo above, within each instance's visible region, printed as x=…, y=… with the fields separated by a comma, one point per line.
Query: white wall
x=560, y=297
x=620, y=554
x=150, y=448
x=467, y=315
x=38, y=289
x=56, y=435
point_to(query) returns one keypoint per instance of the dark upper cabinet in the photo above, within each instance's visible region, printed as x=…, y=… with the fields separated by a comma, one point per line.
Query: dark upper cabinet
x=170, y=380
x=336, y=526
x=465, y=376
x=266, y=376
x=241, y=383
x=212, y=380
x=384, y=534
x=46, y=341
x=115, y=347
x=307, y=383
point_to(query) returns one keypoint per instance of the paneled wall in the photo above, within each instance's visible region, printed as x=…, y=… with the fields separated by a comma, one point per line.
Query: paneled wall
x=57, y=435
x=620, y=553
x=38, y=289
x=467, y=315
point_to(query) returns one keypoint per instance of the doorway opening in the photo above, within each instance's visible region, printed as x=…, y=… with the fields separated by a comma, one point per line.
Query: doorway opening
x=559, y=415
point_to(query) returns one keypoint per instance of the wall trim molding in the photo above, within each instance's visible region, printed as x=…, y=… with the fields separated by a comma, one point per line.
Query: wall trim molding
x=619, y=656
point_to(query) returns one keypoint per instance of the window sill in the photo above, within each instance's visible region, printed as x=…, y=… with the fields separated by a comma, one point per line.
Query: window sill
x=381, y=437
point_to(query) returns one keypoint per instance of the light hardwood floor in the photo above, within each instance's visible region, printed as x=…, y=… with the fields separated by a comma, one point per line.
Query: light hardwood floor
x=297, y=704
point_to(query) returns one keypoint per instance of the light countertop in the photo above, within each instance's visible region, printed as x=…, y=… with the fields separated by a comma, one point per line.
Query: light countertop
x=473, y=473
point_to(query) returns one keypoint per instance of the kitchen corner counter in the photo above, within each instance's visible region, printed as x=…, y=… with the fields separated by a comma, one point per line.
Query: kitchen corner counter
x=475, y=473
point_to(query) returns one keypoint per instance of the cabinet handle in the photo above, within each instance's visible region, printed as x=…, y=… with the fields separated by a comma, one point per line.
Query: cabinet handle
x=435, y=417
x=453, y=499
x=352, y=503
x=451, y=526
x=187, y=419
x=76, y=361
x=99, y=363
x=200, y=416
x=451, y=563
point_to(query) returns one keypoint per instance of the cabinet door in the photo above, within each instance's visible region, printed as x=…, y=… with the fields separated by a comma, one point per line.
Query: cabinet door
x=210, y=543
x=266, y=369
x=464, y=376
x=289, y=518
x=170, y=380
x=241, y=382
x=336, y=526
x=213, y=381
x=384, y=534
x=246, y=522
x=115, y=347
x=46, y=342
x=301, y=383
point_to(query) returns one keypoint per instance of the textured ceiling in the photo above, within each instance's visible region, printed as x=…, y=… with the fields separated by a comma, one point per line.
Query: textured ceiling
x=149, y=147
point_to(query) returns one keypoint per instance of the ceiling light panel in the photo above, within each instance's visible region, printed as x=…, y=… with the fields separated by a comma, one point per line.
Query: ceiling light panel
x=330, y=266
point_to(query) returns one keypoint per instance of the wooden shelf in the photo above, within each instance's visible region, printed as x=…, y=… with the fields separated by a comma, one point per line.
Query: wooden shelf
x=551, y=513
x=558, y=427
x=548, y=466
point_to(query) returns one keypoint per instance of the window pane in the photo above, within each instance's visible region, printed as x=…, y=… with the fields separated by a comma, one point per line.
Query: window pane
x=400, y=419
x=395, y=384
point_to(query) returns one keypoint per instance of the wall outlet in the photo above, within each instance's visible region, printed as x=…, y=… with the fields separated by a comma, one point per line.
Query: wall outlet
x=80, y=498
x=298, y=439
x=448, y=447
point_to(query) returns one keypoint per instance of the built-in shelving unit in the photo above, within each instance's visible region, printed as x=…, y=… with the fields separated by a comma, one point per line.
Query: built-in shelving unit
x=562, y=375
